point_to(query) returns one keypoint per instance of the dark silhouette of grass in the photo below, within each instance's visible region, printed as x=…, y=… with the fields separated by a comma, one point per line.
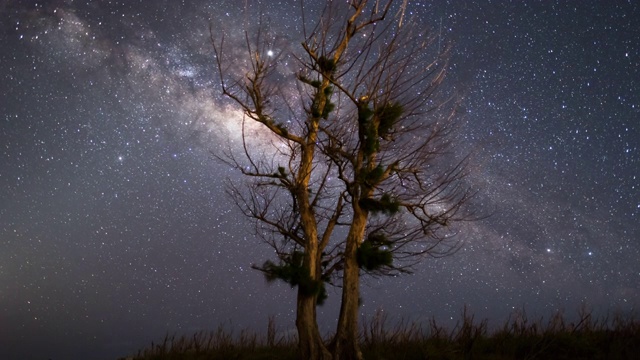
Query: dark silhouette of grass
x=615, y=337
x=222, y=344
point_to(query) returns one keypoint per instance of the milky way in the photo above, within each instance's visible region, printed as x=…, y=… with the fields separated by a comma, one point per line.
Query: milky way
x=115, y=228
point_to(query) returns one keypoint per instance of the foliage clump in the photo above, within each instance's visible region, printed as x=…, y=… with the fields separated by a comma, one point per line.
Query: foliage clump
x=388, y=114
x=328, y=108
x=313, y=83
x=327, y=65
x=368, y=130
x=376, y=124
x=293, y=271
x=318, y=112
x=374, y=252
x=281, y=173
x=375, y=175
x=386, y=204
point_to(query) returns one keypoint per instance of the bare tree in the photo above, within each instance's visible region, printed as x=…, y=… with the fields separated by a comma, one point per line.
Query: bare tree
x=360, y=177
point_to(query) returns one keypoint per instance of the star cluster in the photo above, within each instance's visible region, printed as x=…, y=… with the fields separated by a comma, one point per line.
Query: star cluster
x=114, y=224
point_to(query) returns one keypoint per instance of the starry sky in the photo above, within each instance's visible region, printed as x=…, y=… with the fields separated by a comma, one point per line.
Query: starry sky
x=115, y=228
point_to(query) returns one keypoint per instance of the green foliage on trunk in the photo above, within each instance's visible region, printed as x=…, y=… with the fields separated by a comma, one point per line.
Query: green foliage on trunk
x=316, y=112
x=375, y=175
x=326, y=65
x=364, y=113
x=293, y=271
x=386, y=205
x=328, y=108
x=282, y=172
x=374, y=252
x=313, y=83
x=375, y=124
x=368, y=132
x=388, y=114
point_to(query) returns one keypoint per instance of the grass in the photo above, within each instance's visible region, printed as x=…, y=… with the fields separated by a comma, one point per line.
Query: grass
x=615, y=337
x=222, y=344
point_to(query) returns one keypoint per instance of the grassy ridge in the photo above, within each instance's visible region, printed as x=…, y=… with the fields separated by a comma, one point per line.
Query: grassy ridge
x=616, y=337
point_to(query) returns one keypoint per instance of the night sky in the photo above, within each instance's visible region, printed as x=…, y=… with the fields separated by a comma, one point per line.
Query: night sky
x=115, y=228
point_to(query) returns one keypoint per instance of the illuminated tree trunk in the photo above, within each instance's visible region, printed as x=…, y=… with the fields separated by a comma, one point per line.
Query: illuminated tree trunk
x=345, y=343
x=310, y=344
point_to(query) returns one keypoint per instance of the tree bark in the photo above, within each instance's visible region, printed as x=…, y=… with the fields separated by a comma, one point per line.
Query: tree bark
x=345, y=342
x=310, y=344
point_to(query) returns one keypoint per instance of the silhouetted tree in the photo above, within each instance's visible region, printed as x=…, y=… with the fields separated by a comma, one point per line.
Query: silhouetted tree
x=360, y=176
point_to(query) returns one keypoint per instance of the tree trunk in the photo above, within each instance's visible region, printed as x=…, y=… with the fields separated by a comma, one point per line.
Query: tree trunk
x=345, y=343
x=310, y=344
